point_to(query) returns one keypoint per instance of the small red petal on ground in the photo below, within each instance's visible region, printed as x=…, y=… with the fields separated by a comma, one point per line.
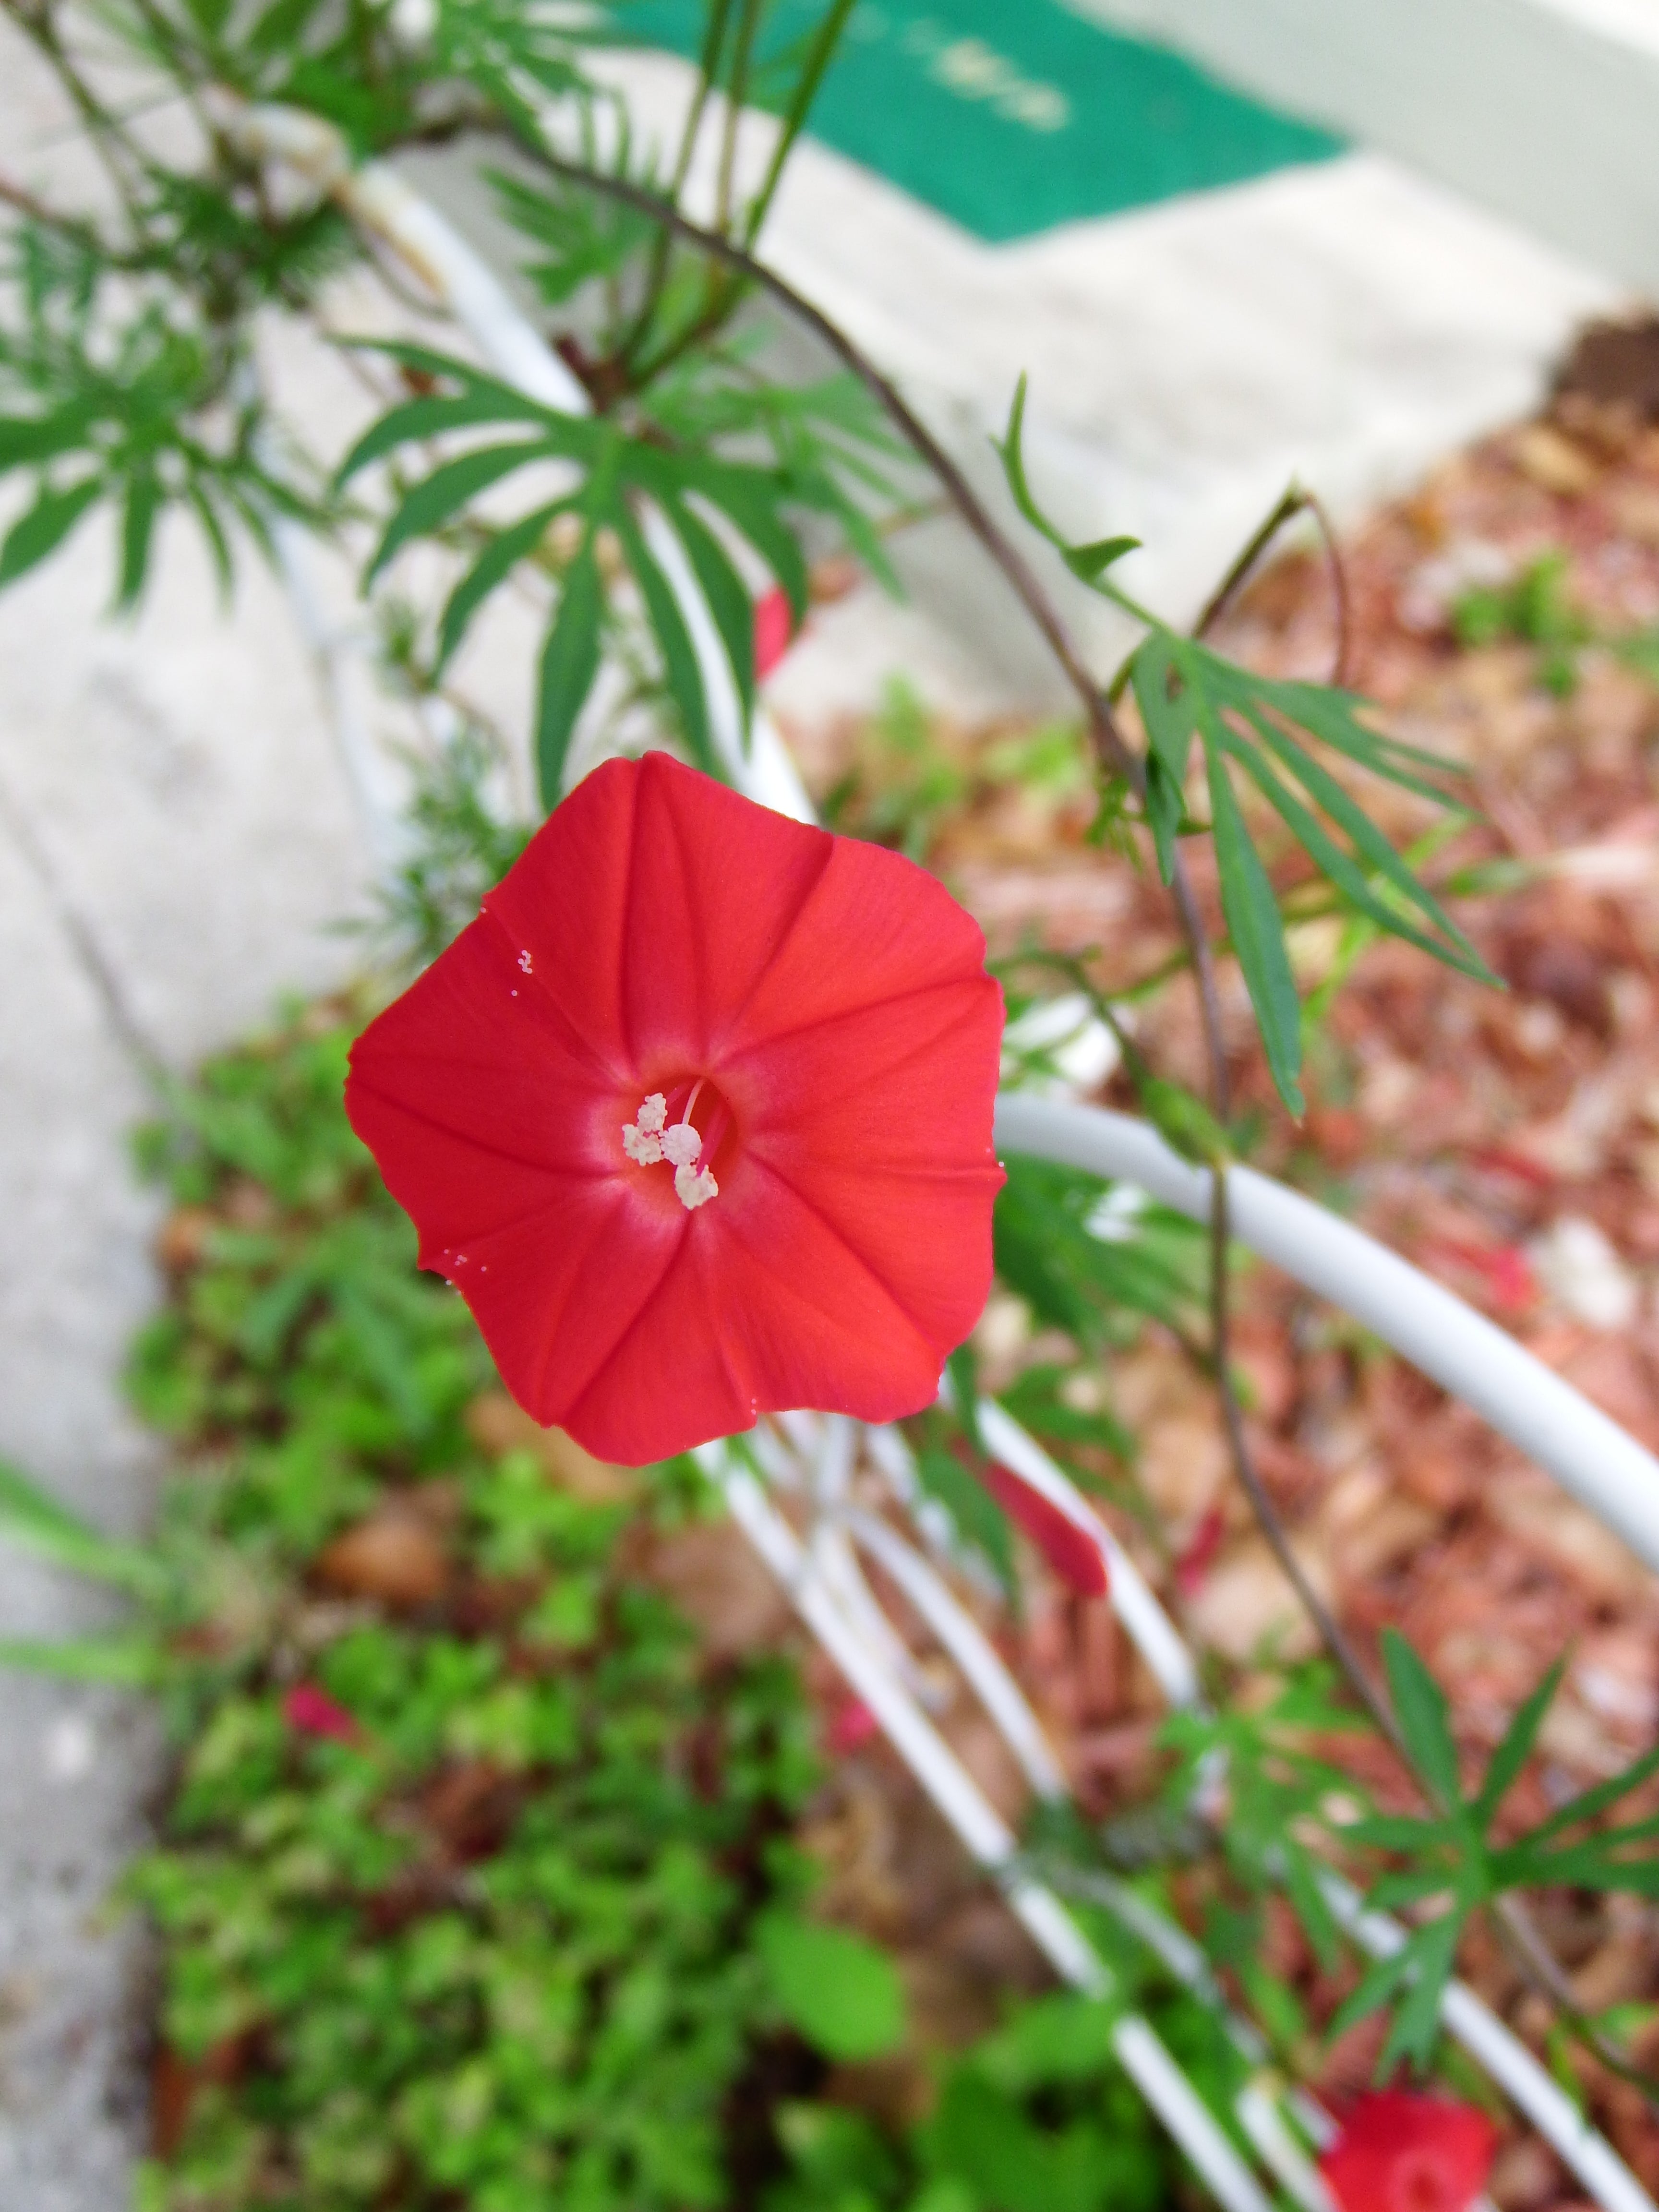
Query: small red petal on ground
x=1399, y=2151
x=1505, y=1270
x=1072, y=1551
x=850, y=1726
x=1500, y=1160
x=309, y=1711
x=665, y=947
x=775, y=630
x=1193, y=1563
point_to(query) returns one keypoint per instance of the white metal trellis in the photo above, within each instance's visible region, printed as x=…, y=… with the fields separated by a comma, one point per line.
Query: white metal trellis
x=1555, y=1424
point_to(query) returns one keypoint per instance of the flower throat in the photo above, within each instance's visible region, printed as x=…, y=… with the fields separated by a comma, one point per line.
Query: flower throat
x=650, y=1138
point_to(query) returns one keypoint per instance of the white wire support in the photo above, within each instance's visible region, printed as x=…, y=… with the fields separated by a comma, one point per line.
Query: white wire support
x=983, y=1669
x=1260, y=2117
x=1553, y=1424
x=388, y=210
x=981, y=1829
x=1148, y=1628
x=829, y=1543
x=966, y=1643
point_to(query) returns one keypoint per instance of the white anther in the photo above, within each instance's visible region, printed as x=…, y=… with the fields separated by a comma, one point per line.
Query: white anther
x=681, y=1144
x=694, y=1187
x=654, y=1113
x=524, y=961
x=641, y=1146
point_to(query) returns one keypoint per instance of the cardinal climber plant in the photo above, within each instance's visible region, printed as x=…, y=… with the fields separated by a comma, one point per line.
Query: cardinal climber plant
x=696, y=1112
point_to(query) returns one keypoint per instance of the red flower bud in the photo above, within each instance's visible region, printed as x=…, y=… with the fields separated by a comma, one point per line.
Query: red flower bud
x=1398, y=2152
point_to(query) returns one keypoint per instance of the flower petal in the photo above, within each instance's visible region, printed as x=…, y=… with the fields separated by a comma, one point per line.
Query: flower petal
x=676, y=1375
x=875, y=928
x=476, y=1097
x=564, y=906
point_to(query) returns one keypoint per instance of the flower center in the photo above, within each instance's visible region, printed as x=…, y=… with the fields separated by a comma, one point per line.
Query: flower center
x=650, y=1138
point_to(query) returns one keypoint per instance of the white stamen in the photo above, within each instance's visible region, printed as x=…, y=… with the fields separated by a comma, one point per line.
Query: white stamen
x=524, y=961
x=694, y=1187
x=682, y=1145
x=647, y=1141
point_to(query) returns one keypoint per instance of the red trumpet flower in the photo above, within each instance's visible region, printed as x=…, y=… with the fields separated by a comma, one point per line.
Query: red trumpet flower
x=697, y=1115
x=1402, y=2152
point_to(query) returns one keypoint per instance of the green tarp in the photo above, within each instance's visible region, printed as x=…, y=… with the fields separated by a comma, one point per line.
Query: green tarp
x=1010, y=116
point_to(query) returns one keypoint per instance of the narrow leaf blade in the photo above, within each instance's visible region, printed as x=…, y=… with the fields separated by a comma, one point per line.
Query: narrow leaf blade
x=436, y=498
x=1258, y=934
x=497, y=561
x=570, y=660
x=43, y=527
x=1419, y=1706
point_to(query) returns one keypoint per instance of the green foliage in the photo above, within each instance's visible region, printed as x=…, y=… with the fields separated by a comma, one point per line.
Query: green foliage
x=128, y=402
x=842, y=1993
x=462, y=841
x=906, y=780
x=1452, y=1852
x=1280, y=1791
x=1036, y=2117
x=39, y=1524
x=497, y=1949
x=1537, y=608
x=1259, y=726
x=1089, y=1258
x=978, y=1520
x=357, y=65
x=616, y=468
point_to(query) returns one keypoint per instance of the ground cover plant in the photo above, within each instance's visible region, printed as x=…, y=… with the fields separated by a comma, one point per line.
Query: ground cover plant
x=660, y=475
x=478, y=1881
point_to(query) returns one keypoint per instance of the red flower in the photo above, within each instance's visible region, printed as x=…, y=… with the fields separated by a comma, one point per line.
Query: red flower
x=775, y=630
x=1400, y=2152
x=311, y=1712
x=697, y=1117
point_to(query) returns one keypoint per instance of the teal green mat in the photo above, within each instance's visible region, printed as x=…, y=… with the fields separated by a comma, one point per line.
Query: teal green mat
x=1010, y=116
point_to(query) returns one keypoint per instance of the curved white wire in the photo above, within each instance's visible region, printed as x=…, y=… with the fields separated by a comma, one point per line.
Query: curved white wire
x=1553, y=1424
x=986, y=1834
x=1145, y=1621
x=969, y=1645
